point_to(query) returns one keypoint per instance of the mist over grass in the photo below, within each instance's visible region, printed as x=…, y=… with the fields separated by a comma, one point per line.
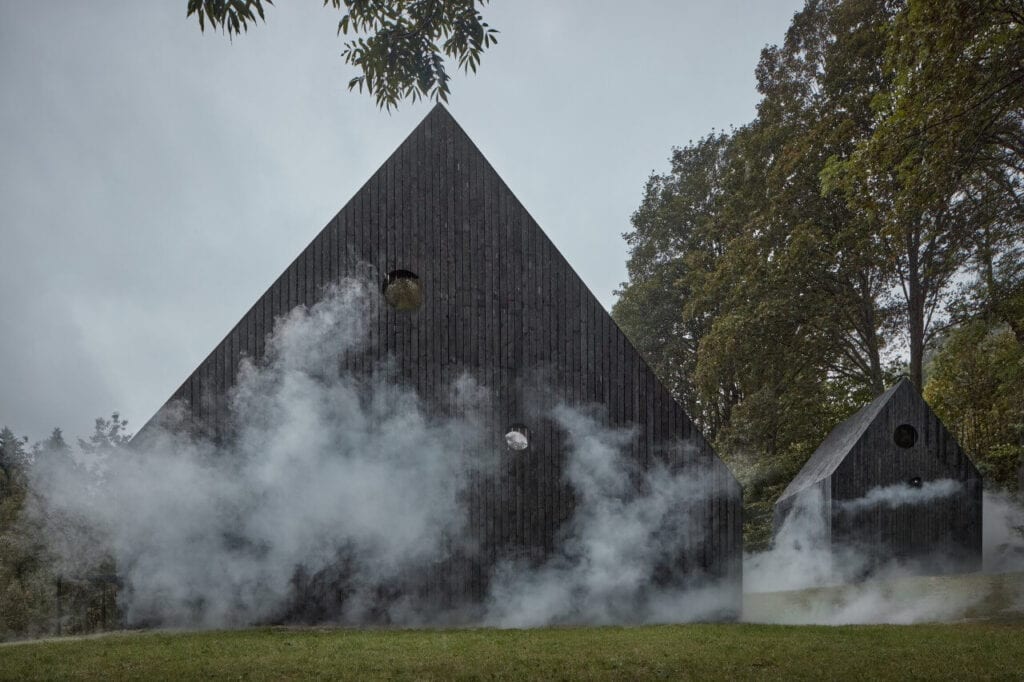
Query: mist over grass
x=805, y=578
x=351, y=485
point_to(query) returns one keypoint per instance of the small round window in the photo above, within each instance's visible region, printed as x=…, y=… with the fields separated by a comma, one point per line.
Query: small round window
x=402, y=290
x=904, y=436
x=915, y=482
x=517, y=437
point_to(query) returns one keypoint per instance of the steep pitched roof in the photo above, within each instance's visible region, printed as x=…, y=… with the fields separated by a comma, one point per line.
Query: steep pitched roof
x=840, y=440
x=500, y=298
x=499, y=302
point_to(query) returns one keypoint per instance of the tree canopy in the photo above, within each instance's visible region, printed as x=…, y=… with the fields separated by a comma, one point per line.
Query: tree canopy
x=867, y=220
x=400, y=47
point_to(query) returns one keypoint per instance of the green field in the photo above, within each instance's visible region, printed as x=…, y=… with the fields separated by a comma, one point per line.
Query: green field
x=739, y=651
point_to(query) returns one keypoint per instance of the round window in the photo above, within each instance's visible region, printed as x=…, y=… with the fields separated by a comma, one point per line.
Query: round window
x=517, y=437
x=402, y=290
x=904, y=436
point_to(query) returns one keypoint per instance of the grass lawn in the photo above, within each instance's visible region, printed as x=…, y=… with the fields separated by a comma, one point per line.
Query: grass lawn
x=737, y=651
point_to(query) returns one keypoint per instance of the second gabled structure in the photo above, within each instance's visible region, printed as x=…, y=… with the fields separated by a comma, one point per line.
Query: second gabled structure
x=893, y=484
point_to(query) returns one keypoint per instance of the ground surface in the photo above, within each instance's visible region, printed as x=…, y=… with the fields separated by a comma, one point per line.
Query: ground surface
x=972, y=597
x=960, y=651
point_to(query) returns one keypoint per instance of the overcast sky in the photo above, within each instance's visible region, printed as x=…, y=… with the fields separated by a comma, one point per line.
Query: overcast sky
x=144, y=164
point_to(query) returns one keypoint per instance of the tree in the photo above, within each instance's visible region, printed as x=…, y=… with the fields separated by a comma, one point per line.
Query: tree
x=676, y=230
x=13, y=456
x=755, y=296
x=25, y=585
x=942, y=172
x=974, y=385
x=402, y=55
x=107, y=434
x=44, y=589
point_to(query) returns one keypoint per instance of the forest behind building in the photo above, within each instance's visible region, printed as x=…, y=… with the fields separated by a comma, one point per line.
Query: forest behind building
x=868, y=223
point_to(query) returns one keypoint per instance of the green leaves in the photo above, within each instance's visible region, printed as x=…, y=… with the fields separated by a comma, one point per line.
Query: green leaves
x=231, y=16
x=778, y=274
x=403, y=56
x=400, y=47
x=974, y=387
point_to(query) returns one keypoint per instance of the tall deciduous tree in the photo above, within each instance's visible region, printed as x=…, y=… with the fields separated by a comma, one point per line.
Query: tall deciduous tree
x=942, y=172
x=677, y=230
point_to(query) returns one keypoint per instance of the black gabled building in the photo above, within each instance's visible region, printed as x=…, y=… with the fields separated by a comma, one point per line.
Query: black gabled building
x=892, y=483
x=473, y=284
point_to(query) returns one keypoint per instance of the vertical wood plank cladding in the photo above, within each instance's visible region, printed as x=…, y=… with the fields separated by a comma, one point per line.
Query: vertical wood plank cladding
x=198, y=408
x=250, y=331
x=369, y=206
x=493, y=378
x=578, y=341
x=441, y=279
x=299, y=293
x=239, y=339
x=326, y=255
x=524, y=324
x=233, y=353
x=545, y=474
x=949, y=525
x=386, y=224
x=331, y=258
x=276, y=304
x=483, y=261
x=426, y=162
x=363, y=224
x=624, y=374
x=501, y=303
x=425, y=259
x=509, y=410
x=264, y=321
x=315, y=269
x=562, y=371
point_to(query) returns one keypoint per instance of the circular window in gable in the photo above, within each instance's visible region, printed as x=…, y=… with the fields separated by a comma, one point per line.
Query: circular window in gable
x=905, y=436
x=402, y=290
x=517, y=437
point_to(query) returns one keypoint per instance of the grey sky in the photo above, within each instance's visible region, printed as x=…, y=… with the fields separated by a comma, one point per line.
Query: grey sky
x=155, y=180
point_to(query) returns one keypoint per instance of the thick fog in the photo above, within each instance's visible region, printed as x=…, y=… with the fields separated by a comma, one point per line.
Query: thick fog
x=329, y=473
x=805, y=577
x=337, y=490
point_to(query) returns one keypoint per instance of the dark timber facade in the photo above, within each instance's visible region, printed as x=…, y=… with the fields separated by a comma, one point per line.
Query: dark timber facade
x=895, y=444
x=500, y=302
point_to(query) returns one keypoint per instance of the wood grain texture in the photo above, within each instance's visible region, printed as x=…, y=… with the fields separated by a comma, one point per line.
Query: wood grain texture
x=940, y=535
x=503, y=305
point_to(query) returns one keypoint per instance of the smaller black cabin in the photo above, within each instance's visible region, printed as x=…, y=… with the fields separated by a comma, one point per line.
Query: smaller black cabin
x=892, y=483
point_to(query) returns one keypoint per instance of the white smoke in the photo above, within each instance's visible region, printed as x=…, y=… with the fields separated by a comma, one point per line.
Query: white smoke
x=801, y=555
x=901, y=495
x=324, y=468
x=340, y=487
x=805, y=578
x=1003, y=534
x=343, y=487
x=620, y=531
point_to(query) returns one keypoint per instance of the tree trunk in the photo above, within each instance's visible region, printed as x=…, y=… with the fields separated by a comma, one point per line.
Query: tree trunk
x=872, y=342
x=875, y=358
x=915, y=310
